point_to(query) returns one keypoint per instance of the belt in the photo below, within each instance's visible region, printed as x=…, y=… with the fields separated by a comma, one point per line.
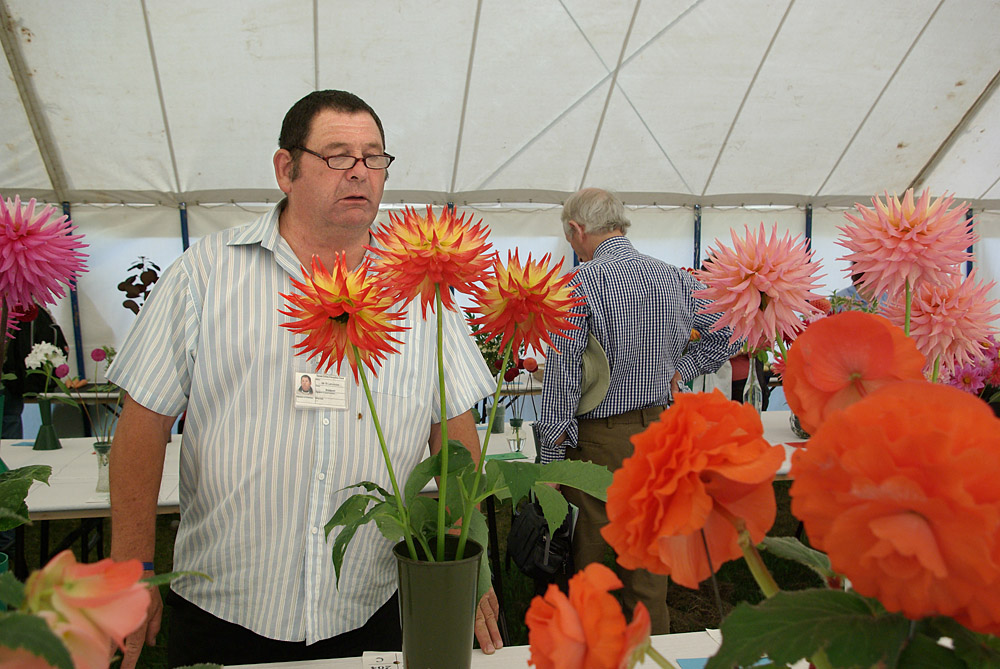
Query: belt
x=645, y=416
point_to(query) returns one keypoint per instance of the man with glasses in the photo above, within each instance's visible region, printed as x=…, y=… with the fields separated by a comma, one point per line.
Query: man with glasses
x=262, y=470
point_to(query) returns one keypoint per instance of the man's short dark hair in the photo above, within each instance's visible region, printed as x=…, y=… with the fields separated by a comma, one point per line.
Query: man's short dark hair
x=298, y=120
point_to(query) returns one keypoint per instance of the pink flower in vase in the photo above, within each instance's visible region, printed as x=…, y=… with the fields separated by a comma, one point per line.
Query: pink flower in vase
x=98, y=354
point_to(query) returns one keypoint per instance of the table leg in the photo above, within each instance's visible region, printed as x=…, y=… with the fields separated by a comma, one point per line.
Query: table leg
x=495, y=566
x=20, y=563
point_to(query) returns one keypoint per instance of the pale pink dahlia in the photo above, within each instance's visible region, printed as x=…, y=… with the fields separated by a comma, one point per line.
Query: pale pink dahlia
x=760, y=286
x=38, y=256
x=949, y=320
x=899, y=242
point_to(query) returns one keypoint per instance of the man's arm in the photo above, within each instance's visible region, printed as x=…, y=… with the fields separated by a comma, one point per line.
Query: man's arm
x=463, y=428
x=137, y=454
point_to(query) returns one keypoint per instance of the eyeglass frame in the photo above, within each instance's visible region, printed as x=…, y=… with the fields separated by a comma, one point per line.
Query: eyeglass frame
x=363, y=159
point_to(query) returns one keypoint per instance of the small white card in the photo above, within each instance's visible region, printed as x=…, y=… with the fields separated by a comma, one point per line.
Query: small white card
x=319, y=391
x=386, y=660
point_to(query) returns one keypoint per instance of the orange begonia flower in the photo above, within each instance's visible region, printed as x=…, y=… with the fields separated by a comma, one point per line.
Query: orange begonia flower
x=586, y=630
x=524, y=304
x=418, y=253
x=900, y=489
x=88, y=605
x=841, y=359
x=704, y=464
x=339, y=310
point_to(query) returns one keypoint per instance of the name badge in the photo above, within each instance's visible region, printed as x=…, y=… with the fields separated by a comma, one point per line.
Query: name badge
x=319, y=391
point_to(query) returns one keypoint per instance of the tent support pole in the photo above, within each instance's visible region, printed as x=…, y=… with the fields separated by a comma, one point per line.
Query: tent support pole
x=74, y=303
x=185, y=238
x=809, y=227
x=696, y=263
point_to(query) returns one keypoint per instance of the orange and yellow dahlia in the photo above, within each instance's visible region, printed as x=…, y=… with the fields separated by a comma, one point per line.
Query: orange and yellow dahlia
x=907, y=509
x=842, y=358
x=416, y=254
x=524, y=304
x=702, y=466
x=340, y=310
x=586, y=630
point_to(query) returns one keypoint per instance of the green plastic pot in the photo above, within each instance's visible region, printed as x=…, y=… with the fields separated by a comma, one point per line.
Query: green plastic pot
x=437, y=606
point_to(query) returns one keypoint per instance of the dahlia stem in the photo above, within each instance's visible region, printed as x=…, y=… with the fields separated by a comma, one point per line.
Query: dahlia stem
x=906, y=313
x=655, y=656
x=403, y=516
x=443, y=481
x=781, y=345
x=937, y=369
x=470, y=502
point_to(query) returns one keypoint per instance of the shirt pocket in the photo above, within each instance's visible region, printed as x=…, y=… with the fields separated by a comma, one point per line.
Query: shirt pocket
x=399, y=375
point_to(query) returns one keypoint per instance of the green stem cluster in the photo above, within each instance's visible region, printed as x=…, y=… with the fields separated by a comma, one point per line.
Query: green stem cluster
x=443, y=482
x=403, y=515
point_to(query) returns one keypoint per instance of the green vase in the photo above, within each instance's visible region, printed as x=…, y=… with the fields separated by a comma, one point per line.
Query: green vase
x=47, y=440
x=437, y=607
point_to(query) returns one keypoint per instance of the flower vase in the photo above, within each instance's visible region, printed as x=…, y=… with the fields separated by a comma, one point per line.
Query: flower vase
x=103, y=450
x=498, y=420
x=437, y=606
x=752, y=392
x=793, y=422
x=47, y=440
x=515, y=435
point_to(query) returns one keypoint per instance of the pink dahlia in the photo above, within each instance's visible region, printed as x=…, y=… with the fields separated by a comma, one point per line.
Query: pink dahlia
x=896, y=243
x=38, y=256
x=760, y=286
x=949, y=320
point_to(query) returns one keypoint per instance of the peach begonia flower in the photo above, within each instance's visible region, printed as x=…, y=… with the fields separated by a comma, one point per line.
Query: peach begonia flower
x=899, y=242
x=586, y=630
x=88, y=604
x=524, y=304
x=900, y=490
x=949, y=320
x=760, y=286
x=703, y=465
x=39, y=257
x=842, y=358
x=341, y=309
x=416, y=254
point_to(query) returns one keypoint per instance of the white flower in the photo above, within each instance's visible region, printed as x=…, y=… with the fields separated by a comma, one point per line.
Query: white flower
x=43, y=352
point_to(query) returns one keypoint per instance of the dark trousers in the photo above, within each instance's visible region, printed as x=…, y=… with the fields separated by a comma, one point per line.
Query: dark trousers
x=605, y=441
x=198, y=636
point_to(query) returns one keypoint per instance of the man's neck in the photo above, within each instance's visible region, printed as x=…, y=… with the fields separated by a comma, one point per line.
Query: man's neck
x=594, y=240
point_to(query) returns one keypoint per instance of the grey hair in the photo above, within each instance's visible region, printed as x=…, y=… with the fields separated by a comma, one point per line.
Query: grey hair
x=597, y=210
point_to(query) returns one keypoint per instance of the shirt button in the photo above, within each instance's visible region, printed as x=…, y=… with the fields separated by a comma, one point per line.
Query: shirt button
x=321, y=476
x=326, y=421
x=315, y=530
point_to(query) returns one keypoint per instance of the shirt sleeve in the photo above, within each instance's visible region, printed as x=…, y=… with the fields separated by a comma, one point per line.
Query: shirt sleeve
x=714, y=348
x=561, y=389
x=155, y=363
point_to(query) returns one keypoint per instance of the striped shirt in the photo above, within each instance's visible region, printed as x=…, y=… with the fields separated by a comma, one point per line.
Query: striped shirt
x=641, y=311
x=258, y=478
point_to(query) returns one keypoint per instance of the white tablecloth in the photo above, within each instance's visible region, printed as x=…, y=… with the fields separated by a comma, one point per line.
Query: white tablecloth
x=71, y=492
x=675, y=647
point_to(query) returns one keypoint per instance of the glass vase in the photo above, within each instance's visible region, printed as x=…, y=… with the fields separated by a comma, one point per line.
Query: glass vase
x=752, y=392
x=47, y=440
x=103, y=451
x=515, y=434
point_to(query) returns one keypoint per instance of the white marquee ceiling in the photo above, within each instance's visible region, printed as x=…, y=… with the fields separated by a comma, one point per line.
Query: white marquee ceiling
x=666, y=101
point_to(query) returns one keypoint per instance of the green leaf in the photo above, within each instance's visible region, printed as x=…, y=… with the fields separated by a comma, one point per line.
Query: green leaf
x=351, y=511
x=924, y=653
x=458, y=459
x=11, y=590
x=479, y=532
x=975, y=649
x=24, y=630
x=386, y=517
x=14, y=486
x=791, y=548
x=794, y=625
x=423, y=515
x=554, y=506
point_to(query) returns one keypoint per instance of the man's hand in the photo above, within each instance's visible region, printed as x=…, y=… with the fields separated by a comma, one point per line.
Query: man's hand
x=675, y=385
x=146, y=632
x=487, y=631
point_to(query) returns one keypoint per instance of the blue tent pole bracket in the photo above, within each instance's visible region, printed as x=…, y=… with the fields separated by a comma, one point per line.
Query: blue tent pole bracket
x=74, y=302
x=185, y=238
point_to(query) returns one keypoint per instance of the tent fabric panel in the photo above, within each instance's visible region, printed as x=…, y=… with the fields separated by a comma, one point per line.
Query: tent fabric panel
x=20, y=161
x=974, y=158
x=113, y=136
x=938, y=82
x=259, y=59
x=814, y=79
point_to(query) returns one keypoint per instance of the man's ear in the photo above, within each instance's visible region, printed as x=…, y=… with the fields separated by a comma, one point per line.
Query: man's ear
x=283, y=164
x=576, y=230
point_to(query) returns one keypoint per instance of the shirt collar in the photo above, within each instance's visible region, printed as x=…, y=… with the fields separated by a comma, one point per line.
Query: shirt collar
x=613, y=246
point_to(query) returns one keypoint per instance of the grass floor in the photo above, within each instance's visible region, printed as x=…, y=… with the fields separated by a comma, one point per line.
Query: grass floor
x=690, y=610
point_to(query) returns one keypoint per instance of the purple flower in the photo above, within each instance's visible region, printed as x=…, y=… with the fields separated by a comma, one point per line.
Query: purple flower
x=970, y=377
x=61, y=371
x=98, y=354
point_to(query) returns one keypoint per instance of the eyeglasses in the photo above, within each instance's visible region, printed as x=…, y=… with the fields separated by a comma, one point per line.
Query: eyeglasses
x=376, y=162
